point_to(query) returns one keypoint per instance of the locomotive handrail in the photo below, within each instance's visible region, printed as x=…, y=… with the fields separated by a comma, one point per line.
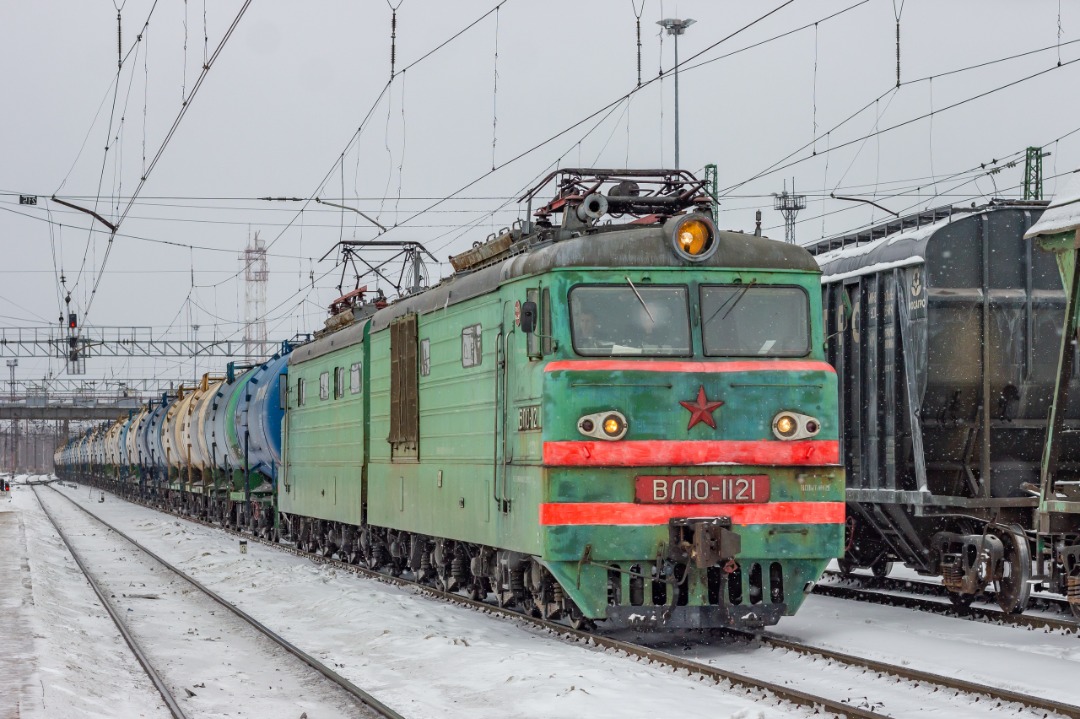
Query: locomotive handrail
x=495, y=439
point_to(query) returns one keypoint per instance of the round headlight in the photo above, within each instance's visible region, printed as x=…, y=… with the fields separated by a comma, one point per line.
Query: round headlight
x=694, y=238
x=612, y=426
x=786, y=425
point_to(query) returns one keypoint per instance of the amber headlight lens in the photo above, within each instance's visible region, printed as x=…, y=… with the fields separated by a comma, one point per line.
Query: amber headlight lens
x=793, y=425
x=612, y=426
x=694, y=238
x=786, y=425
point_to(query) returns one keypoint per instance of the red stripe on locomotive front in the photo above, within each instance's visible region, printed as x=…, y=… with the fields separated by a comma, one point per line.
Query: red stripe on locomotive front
x=659, y=453
x=678, y=366
x=624, y=513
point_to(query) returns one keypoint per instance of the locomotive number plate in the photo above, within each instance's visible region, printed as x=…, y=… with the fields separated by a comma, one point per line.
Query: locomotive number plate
x=719, y=489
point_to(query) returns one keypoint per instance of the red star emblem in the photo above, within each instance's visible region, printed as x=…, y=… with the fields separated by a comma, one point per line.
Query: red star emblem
x=702, y=410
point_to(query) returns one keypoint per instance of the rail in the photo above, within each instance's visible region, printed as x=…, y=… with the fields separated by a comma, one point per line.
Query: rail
x=356, y=692
x=166, y=695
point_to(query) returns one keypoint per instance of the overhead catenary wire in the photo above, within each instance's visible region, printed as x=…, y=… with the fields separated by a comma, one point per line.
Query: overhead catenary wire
x=624, y=111
x=161, y=149
x=364, y=122
x=972, y=174
x=606, y=108
x=781, y=165
x=927, y=78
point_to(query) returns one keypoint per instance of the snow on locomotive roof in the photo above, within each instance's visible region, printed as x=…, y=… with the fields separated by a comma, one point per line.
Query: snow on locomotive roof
x=1062, y=215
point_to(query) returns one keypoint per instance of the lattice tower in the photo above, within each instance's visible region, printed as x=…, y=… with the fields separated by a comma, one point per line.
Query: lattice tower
x=789, y=206
x=255, y=276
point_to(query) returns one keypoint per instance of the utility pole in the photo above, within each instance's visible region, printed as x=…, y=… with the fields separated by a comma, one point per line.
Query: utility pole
x=12, y=364
x=676, y=27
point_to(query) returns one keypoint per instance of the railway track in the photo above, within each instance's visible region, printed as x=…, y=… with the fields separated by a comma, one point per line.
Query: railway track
x=919, y=677
x=856, y=670
x=927, y=597
x=348, y=695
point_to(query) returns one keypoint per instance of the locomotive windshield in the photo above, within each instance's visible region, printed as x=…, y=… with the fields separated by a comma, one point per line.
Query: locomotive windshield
x=621, y=320
x=746, y=320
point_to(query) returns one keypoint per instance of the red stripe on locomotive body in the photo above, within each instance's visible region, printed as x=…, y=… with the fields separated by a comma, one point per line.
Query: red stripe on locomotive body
x=625, y=513
x=677, y=366
x=662, y=453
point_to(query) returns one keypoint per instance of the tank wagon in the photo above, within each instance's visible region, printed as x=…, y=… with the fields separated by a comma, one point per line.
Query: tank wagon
x=631, y=422
x=944, y=329
x=211, y=450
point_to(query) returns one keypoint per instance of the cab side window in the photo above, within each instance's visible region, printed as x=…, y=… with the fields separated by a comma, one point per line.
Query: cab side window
x=472, y=351
x=354, y=378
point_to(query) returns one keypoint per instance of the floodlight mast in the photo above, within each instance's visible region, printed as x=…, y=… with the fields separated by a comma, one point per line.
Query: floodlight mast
x=676, y=27
x=789, y=206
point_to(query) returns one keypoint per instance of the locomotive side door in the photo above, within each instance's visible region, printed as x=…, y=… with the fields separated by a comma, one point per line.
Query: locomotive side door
x=506, y=425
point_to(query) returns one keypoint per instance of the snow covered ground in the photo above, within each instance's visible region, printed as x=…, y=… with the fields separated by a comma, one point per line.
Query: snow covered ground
x=426, y=658
x=60, y=654
x=422, y=657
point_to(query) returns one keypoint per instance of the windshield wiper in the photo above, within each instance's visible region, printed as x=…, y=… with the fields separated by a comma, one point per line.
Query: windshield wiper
x=733, y=300
x=642, y=301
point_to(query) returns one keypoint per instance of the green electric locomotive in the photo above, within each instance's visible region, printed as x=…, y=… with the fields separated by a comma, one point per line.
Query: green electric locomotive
x=601, y=419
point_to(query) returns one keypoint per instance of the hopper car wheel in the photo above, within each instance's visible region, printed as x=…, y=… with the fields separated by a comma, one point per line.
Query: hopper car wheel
x=881, y=568
x=1075, y=609
x=846, y=567
x=1014, y=589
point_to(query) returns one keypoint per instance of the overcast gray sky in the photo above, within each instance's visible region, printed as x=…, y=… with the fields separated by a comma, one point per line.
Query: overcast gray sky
x=277, y=113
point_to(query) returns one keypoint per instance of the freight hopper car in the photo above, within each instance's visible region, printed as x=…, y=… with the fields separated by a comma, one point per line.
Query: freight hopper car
x=631, y=422
x=944, y=329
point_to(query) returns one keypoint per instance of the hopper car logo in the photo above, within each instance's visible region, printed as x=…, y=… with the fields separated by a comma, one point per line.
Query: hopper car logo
x=529, y=418
x=916, y=283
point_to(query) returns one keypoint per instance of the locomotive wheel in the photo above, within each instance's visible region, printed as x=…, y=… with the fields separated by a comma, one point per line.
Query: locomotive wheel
x=478, y=589
x=881, y=568
x=1014, y=589
x=444, y=581
x=578, y=620
x=961, y=601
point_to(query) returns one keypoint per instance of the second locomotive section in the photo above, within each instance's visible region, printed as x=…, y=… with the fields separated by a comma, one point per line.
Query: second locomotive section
x=632, y=423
